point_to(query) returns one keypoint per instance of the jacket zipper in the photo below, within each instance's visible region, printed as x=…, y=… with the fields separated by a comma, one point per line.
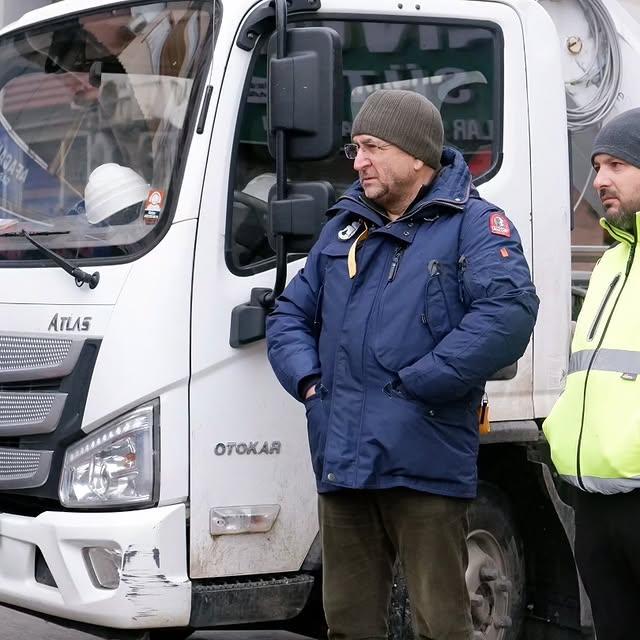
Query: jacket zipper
x=463, y=263
x=595, y=351
x=317, y=316
x=395, y=263
x=601, y=308
x=434, y=272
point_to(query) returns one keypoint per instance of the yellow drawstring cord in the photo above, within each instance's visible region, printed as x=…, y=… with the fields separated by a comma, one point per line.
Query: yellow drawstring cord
x=351, y=258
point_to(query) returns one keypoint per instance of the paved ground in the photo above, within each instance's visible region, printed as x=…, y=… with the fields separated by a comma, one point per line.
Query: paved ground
x=17, y=625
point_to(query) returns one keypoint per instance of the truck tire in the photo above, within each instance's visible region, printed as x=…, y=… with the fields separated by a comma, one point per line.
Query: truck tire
x=495, y=574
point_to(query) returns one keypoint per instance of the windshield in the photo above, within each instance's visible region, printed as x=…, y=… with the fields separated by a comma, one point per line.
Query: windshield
x=94, y=112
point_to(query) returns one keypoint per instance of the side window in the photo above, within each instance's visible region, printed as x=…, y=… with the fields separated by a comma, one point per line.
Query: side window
x=458, y=66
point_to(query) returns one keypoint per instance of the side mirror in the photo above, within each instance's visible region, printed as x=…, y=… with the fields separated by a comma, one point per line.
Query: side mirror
x=248, y=320
x=506, y=373
x=305, y=123
x=299, y=218
x=305, y=93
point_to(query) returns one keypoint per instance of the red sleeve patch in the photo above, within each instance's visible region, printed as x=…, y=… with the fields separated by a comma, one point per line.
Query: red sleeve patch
x=499, y=225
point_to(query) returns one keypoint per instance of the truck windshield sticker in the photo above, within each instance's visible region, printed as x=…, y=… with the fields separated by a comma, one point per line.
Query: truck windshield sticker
x=153, y=206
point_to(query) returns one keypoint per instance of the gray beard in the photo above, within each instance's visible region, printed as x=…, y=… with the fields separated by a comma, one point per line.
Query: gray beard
x=626, y=221
x=623, y=220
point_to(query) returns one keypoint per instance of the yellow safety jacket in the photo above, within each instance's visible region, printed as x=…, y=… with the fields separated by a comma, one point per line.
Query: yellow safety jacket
x=594, y=427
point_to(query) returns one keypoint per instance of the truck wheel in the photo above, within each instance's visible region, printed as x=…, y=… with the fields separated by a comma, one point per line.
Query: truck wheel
x=495, y=574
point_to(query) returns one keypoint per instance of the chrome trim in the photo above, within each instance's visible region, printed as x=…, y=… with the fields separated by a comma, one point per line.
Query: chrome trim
x=30, y=413
x=24, y=468
x=37, y=357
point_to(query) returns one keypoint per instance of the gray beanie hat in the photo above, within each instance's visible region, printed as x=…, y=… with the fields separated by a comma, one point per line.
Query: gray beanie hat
x=406, y=119
x=620, y=138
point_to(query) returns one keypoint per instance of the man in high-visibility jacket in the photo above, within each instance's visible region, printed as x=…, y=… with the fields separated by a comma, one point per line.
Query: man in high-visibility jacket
x=594, y=428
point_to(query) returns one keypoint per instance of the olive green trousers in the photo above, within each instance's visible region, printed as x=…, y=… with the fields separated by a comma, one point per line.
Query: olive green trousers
x=364, y=532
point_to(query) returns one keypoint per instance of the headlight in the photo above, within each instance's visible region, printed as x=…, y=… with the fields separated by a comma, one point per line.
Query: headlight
x=113, y=465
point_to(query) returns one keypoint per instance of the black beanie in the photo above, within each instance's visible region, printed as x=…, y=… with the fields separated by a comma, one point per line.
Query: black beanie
x=406, y=119
x=620, y=138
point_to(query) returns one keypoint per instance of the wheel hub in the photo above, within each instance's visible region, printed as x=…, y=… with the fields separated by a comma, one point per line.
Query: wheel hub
x=488, y=585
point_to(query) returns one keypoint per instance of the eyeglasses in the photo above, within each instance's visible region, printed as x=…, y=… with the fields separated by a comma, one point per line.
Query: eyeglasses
x=370, y=148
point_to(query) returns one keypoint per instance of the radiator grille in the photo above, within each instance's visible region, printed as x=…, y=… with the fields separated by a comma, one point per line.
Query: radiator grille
x=24, y=408
x=22, y=352
x=18, y=464
x=30, y=413
x=31, y=358
x=23, y=468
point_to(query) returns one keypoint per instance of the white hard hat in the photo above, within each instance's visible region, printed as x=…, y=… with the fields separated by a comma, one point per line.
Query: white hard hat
x=112, y=188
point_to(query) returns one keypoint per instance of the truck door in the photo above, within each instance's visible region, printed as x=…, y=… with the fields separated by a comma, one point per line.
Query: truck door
x=248, y=438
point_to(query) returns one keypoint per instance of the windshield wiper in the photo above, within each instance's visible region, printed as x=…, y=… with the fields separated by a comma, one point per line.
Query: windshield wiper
x=81, y=276
x=18, y=234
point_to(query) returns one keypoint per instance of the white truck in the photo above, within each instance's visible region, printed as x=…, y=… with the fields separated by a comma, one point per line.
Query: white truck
x=162, y=164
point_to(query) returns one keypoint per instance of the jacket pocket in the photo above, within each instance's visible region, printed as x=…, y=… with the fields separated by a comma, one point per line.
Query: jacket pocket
x=337, y=249
x=397, y=335
x=463, y=277
x=436, y=315
x=438, y=441
x=394, y=389
x=334, y=295
x=336, y=273
x=317, y=427
x=473, y=282
x=602, y=306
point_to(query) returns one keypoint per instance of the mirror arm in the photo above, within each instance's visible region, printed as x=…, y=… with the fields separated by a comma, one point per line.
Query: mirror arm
x=269, y=299
x=295, y=129
x=281, y=28
x=281, y=140
x=261, y=20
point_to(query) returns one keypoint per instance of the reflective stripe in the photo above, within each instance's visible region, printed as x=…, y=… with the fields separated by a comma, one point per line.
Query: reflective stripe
x=604, y=485
x=618, y=360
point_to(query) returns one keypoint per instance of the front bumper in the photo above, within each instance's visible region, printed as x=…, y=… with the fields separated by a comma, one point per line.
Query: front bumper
x=154, y=588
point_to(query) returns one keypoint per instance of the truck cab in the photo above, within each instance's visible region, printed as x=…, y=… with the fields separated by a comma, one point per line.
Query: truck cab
x=152, y=471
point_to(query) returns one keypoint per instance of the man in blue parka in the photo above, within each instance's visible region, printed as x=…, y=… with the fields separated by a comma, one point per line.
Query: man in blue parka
x=415, y=293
